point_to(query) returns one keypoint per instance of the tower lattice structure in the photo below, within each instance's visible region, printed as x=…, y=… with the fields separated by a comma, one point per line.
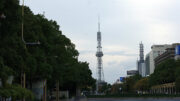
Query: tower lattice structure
x=99, y=55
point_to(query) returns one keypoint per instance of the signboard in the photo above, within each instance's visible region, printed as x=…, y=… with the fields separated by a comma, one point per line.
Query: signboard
x=133, y=72
x=122, y=79
x=178, y=50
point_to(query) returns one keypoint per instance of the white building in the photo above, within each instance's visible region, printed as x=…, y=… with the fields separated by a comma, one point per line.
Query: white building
x=143, y=69
x=147, y=63
x=156, y=50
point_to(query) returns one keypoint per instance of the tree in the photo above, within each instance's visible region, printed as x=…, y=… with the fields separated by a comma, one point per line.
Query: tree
x=164, y=73
x=117, y=88
x=5, y=72
x=128, y=85
x=177, y=83
x=54, y=60
x=142, y=85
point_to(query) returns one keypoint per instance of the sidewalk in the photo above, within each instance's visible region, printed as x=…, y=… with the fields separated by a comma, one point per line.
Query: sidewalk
x=80, y=98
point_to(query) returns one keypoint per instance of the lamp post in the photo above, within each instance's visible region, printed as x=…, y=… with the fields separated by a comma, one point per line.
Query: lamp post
x=22, y=25
x=23, y=74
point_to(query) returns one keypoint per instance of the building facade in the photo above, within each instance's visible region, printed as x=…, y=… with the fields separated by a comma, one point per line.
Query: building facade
x=140, y=63
x=156, y=50
x=132, y=72
x=147, y=63
x=170, y=53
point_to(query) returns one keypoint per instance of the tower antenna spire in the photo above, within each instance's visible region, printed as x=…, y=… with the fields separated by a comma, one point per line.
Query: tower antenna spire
x=99, y=24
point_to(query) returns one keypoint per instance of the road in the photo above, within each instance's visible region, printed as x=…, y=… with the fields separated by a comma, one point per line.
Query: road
x=134, y=99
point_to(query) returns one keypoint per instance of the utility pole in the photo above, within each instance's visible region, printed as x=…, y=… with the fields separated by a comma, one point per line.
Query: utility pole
x=23, y=75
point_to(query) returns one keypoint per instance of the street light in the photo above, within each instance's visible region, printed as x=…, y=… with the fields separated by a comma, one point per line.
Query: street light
x=23, y=75
x=26, y=43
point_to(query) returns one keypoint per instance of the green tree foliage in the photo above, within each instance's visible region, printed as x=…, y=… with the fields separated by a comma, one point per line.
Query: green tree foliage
x=117, y=88
x=130, y=82
x=142, y=85
x=78, y=76
x=105, y=88
x=5, y=72
x=55, y=59
x=16, y=92
x=177, y=83
x=164, y=73
x=177, y=75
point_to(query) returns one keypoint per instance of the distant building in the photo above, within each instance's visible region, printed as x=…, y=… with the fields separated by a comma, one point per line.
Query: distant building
x=156, y=50
x=132, y=72
x=168, y=54
x=38, y=88
x=140, y=63
x=147, y=63
x=143, y=68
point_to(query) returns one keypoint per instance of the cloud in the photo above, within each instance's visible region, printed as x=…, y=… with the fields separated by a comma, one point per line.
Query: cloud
x=114, y=61
x=161, y=32
x=124, y=23
x=114, y=65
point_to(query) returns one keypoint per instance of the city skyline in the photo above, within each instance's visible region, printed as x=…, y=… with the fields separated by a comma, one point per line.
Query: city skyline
x=124, y=23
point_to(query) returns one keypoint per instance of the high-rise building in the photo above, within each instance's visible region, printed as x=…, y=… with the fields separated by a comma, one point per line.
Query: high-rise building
x=158, y=54
x=156, y=50
x=140, y=64
x=132, y=72
x=141, y=52
x=147, y=63
x=170, y=53
x=99, y=55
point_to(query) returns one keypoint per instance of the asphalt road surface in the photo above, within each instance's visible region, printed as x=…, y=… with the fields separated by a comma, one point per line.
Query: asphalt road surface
x=134, y=99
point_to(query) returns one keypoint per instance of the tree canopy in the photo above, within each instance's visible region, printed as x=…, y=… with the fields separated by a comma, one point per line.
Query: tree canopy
x=54, y=59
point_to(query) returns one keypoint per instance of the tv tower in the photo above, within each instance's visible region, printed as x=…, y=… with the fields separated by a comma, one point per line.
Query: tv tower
x=99, y=55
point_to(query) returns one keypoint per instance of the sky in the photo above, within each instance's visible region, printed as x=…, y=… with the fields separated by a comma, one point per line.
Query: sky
x=124, y=24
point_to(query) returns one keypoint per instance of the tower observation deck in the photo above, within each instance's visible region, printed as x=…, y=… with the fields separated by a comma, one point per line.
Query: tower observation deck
x=99, y=55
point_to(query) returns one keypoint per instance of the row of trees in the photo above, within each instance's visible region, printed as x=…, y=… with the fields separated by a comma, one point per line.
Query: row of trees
x=166, y=72
x=55, y=59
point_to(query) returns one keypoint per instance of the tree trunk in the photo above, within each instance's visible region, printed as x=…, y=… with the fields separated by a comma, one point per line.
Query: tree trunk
x=23, y=82
x=78, y=91
x=30, y=82
x=57, y=90
x=44, y=90
x=4, y=99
